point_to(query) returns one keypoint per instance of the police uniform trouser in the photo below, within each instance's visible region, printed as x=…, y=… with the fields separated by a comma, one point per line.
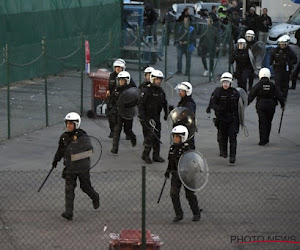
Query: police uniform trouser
x=85, y=185
x=190, y=195
x=265, y=109
x=282, y=79
x=242, y=77
x=112, y=120
x=150, y=141
x=228, y=130
x=295, y=76
x=118, y=128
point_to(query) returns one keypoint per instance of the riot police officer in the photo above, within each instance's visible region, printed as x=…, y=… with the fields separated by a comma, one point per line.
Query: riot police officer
x=283, y=59
x=179, y=146
x=147, y=73
x=123, y=83
x=250, y=39
x=185, y=90
x=244, y=69
x=267, y=96
x=224, y=101
x=118, y=65
x=75, y=141
x=150, y=105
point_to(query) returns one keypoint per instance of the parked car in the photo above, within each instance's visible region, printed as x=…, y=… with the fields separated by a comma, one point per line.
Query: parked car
x=289, y=28
x=204, y=6
x=179, y=7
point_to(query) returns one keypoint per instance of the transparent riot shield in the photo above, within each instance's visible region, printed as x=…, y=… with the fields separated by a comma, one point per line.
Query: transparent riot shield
x=127, y=103
x=242, y=105
x=182, y=116
x=257, y=54
x=193, y=170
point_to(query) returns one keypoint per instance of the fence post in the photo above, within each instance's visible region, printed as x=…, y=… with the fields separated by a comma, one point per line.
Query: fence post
x=143, y=207
x=139, y=44
x=8, y=90
x=45, y=79
x=166, y=51
x=82, y=65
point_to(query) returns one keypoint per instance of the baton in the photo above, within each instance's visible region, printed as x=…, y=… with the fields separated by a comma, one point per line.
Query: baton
x=152, y=132
x=280, y=122
x=45, y=179
x=161, y=192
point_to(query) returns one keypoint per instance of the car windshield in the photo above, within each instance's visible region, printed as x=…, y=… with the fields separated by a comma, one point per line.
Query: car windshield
x=295, y=18
x=180, y=8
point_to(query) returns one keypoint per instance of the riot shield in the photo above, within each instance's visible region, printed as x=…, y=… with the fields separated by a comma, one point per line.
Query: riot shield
x=127, y=103
x=193, y=170
x=257, y=54
x=169, y=91
x=84, y=150
x=182, y=116
x=242, y=105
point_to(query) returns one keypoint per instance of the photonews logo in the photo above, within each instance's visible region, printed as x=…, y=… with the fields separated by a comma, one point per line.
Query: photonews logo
x=251, y=239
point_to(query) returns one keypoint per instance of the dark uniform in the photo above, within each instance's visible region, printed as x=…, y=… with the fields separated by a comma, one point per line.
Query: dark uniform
x=175, y=153
x=120, y=122
x=283, y=61
x=252, y=75
x=144, y=84
x=208, y=43
x=151, y=103
x=297, y=70
x=244, y=69
x=267, y=96
x=225, y=104
x=111, y=108
x=72, y=143
x=188, y=102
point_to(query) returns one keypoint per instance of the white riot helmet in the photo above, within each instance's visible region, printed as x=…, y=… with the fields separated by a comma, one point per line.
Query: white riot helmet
x=264, y=72
x=186, y=86
x=119, y=63
x=148, y=70
x=250, y=35
x=282, y=40
x=156, y=74
x=123, y=75
x=73, y=117
x=226, y=77
x=241, y=43
x=182, y=131
x=287, y=37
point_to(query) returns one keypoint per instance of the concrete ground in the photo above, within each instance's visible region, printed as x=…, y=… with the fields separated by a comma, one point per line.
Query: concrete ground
x=256, y=196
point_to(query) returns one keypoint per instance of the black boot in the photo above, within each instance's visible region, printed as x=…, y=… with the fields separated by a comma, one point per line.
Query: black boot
x=156, y=150
x=232, y=151
x=115, y=148
x=223, y=151
x=133, y=140
x=196, y=217
x=157, y=158
x=96, y=201
x=178, y=218
x=68, y=216
x=145, y=155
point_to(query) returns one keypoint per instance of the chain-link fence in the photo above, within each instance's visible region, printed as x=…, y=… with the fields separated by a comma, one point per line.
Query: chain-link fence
x=241, y=210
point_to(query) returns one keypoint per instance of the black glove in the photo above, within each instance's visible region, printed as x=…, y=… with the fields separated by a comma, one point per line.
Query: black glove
x=54, y=164
x=167, y=174
x=171, y=107
x=208, y=110
x=166, y=117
